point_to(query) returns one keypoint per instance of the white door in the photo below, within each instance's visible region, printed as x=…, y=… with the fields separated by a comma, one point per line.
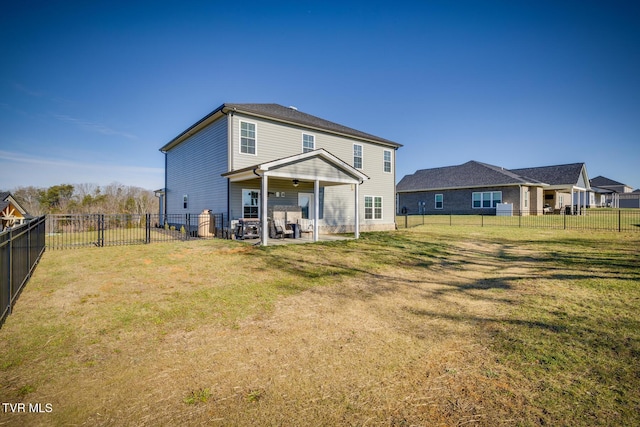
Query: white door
x=305, y=201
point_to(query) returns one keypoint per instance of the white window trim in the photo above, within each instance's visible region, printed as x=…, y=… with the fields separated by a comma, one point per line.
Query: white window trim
x=361, y=156
x=390, y=161
x=373, y=208
x=435, y=201
x=240, y=137
x=482, y=199
x=314, y=141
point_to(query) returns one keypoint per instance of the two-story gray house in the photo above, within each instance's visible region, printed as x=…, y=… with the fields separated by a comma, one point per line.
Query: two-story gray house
x=242, y=159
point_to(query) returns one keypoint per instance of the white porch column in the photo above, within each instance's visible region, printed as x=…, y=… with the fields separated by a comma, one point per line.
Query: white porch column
x=571, y=201
x=357, y=216
x=264, y=193
x=316, y=208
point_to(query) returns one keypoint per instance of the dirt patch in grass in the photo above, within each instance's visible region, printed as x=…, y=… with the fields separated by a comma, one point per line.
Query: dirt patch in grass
x=421, y=327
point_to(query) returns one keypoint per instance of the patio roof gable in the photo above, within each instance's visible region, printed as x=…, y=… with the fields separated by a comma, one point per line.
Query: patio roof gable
x=314, y=165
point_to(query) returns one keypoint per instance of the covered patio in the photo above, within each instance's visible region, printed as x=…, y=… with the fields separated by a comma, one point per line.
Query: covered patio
x=314, y=170
x=305, y=240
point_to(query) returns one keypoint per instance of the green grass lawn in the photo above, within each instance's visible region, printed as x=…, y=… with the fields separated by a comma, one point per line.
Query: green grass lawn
x=433, y=325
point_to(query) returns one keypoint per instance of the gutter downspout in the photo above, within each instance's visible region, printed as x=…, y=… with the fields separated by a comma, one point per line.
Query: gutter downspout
x=229, y=160
x=166, y=190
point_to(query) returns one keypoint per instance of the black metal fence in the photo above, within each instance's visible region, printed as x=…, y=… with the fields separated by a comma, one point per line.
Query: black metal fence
x=589, y=219
x=99, y=230
x=20, y=250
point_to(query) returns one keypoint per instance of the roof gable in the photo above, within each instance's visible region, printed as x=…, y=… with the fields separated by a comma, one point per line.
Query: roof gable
x=318, y=164
x=7, y=200
x=569, y=174
x=601, y=181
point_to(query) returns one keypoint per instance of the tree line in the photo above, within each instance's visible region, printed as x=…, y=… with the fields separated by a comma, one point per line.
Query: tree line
x=86, y=199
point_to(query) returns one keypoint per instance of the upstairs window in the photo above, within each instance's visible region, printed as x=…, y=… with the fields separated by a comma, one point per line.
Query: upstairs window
x=387, y=161
x=308, y=143
x=357, y=156
x=247, y=138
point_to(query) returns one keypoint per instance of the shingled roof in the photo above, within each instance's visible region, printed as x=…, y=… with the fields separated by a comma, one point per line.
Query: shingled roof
x=468, y=175
x=601, y=181
x=553, y=175
x=4, y=202
x=283, y=114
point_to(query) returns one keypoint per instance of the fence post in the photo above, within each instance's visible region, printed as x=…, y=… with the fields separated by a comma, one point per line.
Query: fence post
x=147, y=228
x=565, y=219
x=481, y=219
x=450, y=218
x=619, y=220
x=520, y=219
x=101, y=230
x=406, y=221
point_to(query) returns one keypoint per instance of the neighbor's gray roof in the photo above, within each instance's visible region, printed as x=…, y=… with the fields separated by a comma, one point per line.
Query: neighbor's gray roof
x=468, y=175
x=553, y=175
x=600, y=181
x=283, y=114
x=3, y=200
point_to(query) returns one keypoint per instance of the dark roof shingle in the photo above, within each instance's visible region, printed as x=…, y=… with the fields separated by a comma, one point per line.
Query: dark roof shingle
x=553, y=175
x=467, y=175
x=600, y=181
x=285, y=114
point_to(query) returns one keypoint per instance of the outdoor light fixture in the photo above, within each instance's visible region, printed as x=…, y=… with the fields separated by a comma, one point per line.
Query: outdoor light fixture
x=295, y=182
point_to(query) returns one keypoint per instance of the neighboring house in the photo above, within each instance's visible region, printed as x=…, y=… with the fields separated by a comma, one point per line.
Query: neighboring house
x=11, y=213
x=568, y=185
x=615, y=194
x=470, y=188
x=243, y=160
x=476, y=187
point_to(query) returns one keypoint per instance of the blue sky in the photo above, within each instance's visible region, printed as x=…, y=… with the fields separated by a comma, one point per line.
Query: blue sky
x=90, y=90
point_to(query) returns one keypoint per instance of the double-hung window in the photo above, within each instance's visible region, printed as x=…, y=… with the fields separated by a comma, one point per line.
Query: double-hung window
x=372, y=207
x=439, y=201
x=357, y=156
x=248, y=144
x=308, y=142
x=486, y=199
x=386, y=161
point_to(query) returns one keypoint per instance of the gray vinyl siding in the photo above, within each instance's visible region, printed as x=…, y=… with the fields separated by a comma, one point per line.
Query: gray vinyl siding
x=194, y=168
x=276, y=140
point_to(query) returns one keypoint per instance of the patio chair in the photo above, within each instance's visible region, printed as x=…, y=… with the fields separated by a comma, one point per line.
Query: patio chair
x=275, y=232
x=306, y=226
x=281, y=228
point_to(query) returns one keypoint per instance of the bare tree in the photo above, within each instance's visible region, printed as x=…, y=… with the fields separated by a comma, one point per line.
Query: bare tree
x=87, y=198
